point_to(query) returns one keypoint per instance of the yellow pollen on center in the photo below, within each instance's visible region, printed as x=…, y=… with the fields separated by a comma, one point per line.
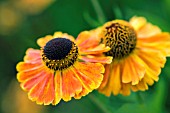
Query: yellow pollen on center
x=51, y=54
x=120, y=36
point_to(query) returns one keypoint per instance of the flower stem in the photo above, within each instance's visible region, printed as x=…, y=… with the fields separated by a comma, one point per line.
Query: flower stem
x=99, y=12
x=139, y=98
x=99, y=103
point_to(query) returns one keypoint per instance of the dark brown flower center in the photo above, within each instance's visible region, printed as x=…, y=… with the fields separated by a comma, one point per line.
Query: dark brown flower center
x=60, y=53
x=120, y=38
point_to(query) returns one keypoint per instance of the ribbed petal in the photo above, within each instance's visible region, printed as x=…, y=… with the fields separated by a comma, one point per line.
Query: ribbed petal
x=99, y=59
x=133, y=70
x=88, y=39
x=112, y=80
x=106, y=76
x=160, y=42
x=36, y=78
x=32, y=55
x=70, y=85
x=58, y=88
x=90, y=76
x=96, y=50
x=43, y=90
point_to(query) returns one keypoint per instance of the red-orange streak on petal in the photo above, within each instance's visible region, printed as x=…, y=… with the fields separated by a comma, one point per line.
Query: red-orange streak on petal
x=37, y=86
x=126, y=74
x=87, y=39
x=93, y=71
x=24, y=75
x=32, y=81
x=22, y=66
x=106, y=76
x=43, y=91
x=99, y=59
x=89, y=80
x=47, y=94
x=70, y=85
x=96, y=50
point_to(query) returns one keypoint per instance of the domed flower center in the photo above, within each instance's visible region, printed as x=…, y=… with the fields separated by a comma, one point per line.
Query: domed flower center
x=59, y=53
x=120, y=37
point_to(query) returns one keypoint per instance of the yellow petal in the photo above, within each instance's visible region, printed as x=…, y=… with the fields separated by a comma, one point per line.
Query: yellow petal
x=42, y=41
x=125, y=89
x=112, y=80
x=58, y=88
x=148, y=30
x=137, y=22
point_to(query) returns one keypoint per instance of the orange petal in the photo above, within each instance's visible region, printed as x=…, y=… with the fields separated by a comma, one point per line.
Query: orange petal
x=27, y=74
x=70, y=85
x=22, y=66
x=43, y=90
x=32, y=55
x=96, y=50
x=126, y=73
x=99, y=59
x=90, y=79
x=31, y=82
x=88, y=39
x=106, y=76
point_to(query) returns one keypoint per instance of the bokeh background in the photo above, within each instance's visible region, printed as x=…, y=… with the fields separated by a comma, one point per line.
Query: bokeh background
x=22, y=22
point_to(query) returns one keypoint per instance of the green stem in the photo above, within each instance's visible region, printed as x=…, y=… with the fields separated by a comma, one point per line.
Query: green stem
x=99, y=12
x=99, y=103
x=139, y=98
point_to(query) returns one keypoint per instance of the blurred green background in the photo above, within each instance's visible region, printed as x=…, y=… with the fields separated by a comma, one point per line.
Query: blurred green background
x=22, y=22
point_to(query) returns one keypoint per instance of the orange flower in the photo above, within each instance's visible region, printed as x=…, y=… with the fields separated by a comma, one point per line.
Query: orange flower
x=57, y=71
x=139, y=50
